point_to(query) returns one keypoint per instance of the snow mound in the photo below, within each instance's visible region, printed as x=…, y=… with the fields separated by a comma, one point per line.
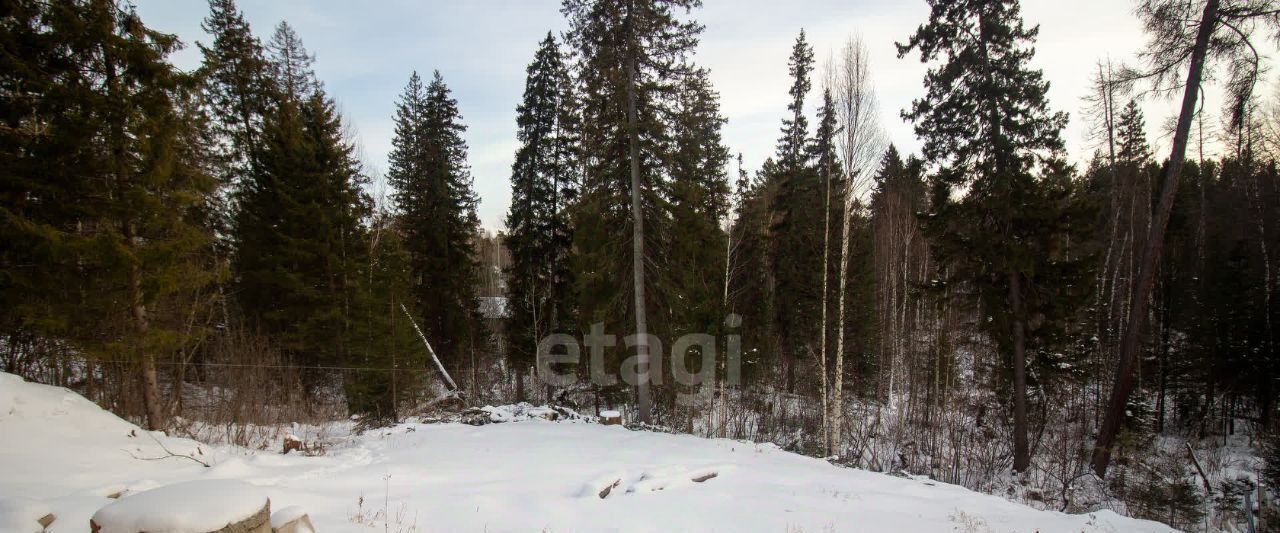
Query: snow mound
x=193, y=506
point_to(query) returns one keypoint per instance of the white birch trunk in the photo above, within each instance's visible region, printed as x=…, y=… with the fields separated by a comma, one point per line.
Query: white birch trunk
x=861, y=147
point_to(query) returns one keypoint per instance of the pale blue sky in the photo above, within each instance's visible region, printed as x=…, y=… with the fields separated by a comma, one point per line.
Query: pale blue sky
x=366, y=50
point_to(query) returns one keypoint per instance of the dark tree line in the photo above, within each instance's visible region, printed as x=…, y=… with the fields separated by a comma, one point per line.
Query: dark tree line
x=155, y=216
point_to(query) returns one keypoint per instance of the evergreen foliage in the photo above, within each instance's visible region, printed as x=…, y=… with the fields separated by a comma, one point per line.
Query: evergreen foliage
x=1001, y=197
x=290, y=64
x=299, y=233
x=610, y=38
x=435, y=203
x=152, y=220
x=694, y=246
x=236, y=87
x=544, y=180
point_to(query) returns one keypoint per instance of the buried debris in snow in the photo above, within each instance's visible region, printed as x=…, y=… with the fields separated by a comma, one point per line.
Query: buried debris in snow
x=602, y=486
x=292, y=443
x=657, y=480
x=500, y=478
x=520, y=412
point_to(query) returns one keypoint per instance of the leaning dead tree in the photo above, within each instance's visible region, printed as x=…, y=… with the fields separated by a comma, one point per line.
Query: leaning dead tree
x=1194, y=36
x=453, y=387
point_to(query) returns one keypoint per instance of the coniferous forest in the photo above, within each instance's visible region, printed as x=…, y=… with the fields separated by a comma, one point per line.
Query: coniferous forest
x=205, y=252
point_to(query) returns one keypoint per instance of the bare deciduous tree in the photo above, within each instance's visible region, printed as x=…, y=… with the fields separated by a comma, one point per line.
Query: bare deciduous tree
x=861, y=144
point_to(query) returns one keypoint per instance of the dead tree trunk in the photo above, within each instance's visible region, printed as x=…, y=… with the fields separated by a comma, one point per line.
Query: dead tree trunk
x=453, y=386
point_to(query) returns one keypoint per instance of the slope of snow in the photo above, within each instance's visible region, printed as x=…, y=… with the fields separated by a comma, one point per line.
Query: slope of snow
x=61, y=452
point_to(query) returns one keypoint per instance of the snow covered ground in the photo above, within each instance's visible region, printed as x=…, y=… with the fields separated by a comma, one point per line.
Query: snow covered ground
x=61, y=453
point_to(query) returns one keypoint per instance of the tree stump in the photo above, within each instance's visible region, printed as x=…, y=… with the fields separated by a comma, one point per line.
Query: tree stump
x=291, y=520
x=204, y=506
x=260, y=522
x=611, y=418
x=292, y=443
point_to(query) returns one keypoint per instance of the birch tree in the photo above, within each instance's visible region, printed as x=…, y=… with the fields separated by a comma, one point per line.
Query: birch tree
x=860, y=144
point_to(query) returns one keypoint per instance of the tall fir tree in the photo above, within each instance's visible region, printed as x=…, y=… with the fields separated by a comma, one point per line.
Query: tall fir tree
x=436, y=209
x=698, y=203
x=298, y=229
x=632, y=58
x=1131, y=136
x=987, y=131
x=795, y=228
x=544, y=179
x=237, y=88
x=792, y=155
x=290, y=66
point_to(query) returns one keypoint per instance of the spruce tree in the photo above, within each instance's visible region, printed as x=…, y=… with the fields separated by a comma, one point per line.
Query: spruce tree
x=1131, y=136
x=543, y=185
x=794, y=239
x=987, y=130
x=236, y=88
x=436, y=209
x=694, y=247
x=290, y=66
x=792, y=154
x=298, y=232
x=632, y=57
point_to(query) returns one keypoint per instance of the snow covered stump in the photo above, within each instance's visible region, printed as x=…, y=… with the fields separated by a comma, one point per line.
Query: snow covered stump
x=204, y=506
x=291, y=519
x=611, y=418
